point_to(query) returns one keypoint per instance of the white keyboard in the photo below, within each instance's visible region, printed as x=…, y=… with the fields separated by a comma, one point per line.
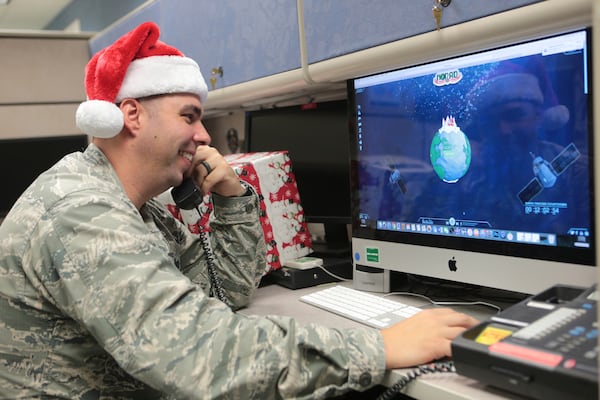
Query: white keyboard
x=363, y=307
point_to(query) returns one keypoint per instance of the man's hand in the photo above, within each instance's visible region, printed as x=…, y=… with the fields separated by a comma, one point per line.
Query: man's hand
x=424, y=337
x=212, y=173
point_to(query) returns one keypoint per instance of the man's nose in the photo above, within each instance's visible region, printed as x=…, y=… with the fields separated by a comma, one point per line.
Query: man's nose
x=201, y=134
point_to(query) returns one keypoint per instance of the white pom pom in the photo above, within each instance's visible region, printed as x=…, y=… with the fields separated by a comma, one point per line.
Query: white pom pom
x=99, y=118
x=555, y=117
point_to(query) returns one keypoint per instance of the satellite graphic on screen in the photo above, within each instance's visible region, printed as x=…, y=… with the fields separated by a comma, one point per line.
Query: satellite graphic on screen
x=546, y=173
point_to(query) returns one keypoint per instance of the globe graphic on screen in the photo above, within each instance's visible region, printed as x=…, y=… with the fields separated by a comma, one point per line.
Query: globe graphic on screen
x=450, y=152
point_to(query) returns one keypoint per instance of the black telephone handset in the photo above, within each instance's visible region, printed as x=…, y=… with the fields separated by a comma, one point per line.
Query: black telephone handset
x=188, y=196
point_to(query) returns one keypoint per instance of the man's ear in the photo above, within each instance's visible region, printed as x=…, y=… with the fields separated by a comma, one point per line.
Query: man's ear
x=131, y=109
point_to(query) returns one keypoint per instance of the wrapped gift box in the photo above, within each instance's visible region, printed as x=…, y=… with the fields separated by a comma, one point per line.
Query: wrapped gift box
x=281, y=214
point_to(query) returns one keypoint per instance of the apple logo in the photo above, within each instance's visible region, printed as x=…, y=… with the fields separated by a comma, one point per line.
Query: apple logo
x=452, y=264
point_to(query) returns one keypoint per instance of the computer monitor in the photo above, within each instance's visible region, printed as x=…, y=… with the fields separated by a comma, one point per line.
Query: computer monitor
x=22, y=160
x=316, y=137
x=479, y=168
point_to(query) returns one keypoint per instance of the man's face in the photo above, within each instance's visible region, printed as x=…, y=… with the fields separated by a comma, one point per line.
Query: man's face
x=520, y=118
x=171, y=129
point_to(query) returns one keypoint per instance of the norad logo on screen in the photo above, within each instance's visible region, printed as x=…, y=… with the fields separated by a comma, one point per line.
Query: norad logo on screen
x=372, y=254
x=447, y=77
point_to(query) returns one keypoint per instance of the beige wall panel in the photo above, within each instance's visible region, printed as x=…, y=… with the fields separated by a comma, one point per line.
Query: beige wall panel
x=38, y=120
x=39, y=70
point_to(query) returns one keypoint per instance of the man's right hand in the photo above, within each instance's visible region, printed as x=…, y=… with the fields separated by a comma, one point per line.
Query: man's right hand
x=424, y=337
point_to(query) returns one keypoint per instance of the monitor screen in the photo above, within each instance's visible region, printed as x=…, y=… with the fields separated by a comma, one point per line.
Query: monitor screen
x=22, y=160
x=316, y=137
x=479, y=168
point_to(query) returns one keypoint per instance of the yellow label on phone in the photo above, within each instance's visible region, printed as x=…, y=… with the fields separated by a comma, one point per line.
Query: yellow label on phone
x=491, y=335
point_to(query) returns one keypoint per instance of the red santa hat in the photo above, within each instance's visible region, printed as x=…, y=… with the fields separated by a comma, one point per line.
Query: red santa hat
x=515, y=82
x=137, y=65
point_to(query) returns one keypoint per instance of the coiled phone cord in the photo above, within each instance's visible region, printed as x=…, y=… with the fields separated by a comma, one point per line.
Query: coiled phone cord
x=216, y=286
x=397, y=387
x=188, y=196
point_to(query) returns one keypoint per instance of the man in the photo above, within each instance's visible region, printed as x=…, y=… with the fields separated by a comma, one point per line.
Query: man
x=104, y=295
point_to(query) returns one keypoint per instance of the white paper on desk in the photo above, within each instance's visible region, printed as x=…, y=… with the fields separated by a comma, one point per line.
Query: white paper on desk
x=303, y=263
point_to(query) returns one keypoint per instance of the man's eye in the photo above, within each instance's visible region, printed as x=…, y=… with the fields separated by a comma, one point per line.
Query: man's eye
x=189, y=118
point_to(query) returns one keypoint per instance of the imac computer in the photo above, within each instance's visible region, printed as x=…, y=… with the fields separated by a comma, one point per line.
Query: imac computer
x=316, y=137
x=477, y=169
x=22, y=160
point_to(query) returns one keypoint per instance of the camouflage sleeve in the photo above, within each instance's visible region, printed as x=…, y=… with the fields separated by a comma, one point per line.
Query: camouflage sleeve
x=113, y=274
x=237, y=241
x=239, y=246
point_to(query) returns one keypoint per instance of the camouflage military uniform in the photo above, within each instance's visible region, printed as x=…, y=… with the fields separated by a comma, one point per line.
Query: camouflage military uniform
x=101, y=301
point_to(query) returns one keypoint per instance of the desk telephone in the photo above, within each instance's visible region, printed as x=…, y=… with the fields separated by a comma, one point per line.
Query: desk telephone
x=188, y=196
x=544, y=347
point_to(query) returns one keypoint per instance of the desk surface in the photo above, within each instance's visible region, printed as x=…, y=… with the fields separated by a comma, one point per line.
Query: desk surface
x=277, y=300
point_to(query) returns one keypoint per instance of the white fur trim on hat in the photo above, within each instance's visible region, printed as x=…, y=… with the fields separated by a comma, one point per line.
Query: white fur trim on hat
x=99, y=118
x=162, y=75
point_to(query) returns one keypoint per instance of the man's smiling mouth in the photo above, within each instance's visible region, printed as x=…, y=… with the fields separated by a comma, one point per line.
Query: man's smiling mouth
x=186, y=155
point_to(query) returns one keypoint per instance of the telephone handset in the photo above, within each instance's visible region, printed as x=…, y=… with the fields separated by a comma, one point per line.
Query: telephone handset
x=188, y=196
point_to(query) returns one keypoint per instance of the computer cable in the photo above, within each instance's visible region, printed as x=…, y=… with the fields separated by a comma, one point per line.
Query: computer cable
x=332, y=274
x=447, y=303
x=446, y=289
